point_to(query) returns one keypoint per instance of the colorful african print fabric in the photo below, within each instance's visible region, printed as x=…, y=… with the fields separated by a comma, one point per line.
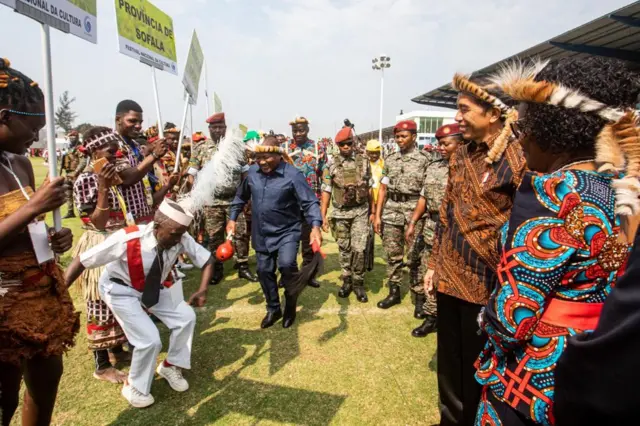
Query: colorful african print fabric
x=477, y=202
x=85, y=196
x=311, y=165
x=560, y=258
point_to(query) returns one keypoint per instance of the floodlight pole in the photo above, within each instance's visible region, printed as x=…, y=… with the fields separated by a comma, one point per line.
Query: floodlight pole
x=381, y=102
x=51, y=123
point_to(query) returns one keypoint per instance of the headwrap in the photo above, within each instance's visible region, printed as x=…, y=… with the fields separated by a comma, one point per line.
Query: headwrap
x=617, y=145
x=99, y=141
x=172, y=130
x=216, y=118
x=168, y=208
x=198, y=136
x=374, y=145
x=299, y=120
x=273, y=150
x=497, y=147
x=344, y=134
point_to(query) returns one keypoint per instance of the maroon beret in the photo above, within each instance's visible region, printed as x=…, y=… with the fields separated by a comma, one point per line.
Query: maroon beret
x=405, y=125
x=216, y=118
x=448, y=130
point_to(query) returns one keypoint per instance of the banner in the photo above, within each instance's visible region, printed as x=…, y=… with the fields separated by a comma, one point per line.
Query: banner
x=217, y=103
x=80, y=16
x=146, y=33
x=193, y=69
x=244, y=129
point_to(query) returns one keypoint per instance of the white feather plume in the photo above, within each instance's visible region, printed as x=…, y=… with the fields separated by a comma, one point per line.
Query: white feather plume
x=217, y=173
x=517, y=70
x=627, y=191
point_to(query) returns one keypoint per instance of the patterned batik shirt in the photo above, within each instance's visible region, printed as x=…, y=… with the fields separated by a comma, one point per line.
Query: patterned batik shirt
x=136, y=197
x=311, y=165
x=560, y=259
x=477, y=202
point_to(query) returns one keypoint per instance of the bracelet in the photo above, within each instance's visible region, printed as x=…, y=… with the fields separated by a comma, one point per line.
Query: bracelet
x=103, y=210
x=154, y=155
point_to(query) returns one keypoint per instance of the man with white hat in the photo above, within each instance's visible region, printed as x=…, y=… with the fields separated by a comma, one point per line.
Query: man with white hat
x=137, y=275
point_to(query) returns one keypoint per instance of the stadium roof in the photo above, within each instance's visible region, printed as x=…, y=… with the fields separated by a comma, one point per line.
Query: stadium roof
x=616, y=35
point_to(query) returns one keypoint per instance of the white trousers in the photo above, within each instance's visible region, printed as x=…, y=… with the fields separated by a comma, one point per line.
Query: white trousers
x=142, y=333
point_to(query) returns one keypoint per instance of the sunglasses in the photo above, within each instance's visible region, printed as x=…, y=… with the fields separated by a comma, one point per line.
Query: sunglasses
x=345, y=143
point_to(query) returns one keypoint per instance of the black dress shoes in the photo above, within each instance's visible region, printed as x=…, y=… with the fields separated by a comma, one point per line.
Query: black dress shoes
x=289, y=311
x=245, y=272
x=271, y=318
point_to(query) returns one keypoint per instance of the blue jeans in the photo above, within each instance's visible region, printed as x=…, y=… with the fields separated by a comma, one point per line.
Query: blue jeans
x=285, y=259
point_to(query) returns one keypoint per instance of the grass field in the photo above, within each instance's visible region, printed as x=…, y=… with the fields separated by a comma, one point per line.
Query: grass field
x=342, y=363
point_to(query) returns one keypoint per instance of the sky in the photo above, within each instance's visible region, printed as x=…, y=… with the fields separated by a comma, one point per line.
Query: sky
x=271, y=60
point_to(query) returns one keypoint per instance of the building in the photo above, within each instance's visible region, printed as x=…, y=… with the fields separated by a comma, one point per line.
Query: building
x=615, y=35
x=428, y=121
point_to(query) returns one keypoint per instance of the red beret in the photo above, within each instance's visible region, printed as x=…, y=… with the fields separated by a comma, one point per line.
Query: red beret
x=405, y=125
x=344, y=134
x=216, y=118
x=448, y=130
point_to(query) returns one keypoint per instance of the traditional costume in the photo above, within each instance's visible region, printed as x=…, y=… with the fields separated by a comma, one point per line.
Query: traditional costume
x=103, y=331
x=37, y=316
x=137, y=276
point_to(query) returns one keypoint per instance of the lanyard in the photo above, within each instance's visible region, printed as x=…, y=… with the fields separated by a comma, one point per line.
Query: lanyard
x=17, y=179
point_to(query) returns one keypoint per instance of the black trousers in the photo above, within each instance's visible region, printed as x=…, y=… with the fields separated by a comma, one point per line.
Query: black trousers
x=458, y=348
x=305, y=242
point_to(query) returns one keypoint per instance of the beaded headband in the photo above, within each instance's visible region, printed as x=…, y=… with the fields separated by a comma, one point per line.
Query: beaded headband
x=101, y=140
x=28, y=114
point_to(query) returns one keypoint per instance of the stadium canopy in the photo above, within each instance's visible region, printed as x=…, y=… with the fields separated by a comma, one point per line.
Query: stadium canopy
x=616, y=35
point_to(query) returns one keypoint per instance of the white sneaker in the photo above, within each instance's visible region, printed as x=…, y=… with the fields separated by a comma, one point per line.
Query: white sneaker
x=136, y=398
x=173, y=375
x=184, y=266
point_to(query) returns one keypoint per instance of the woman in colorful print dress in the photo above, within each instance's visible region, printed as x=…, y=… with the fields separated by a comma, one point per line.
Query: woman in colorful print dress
x=563, y=247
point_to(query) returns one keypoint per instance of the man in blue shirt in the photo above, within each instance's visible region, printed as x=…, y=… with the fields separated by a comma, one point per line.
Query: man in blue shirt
x=278, y=192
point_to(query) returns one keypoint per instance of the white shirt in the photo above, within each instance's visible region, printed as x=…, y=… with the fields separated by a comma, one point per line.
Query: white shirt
x=113, y=253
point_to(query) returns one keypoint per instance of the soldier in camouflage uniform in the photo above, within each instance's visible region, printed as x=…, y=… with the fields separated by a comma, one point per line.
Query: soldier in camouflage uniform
x=403, y=177
x=217, y=215
x=449, y=138
x=347, y=177
x=72, y=164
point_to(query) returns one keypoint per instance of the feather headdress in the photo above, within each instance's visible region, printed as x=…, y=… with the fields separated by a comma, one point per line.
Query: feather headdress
x=462, y=83
x=617, y=145
x=255, y=145
x=218, y=172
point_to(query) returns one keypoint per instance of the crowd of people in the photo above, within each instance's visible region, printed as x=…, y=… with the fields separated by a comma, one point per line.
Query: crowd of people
x=516, y=231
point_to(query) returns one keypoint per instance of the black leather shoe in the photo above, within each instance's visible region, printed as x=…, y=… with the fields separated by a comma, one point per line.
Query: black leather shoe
x=245, y=272
x=361, y=294
x=430, y=325
x=392, y=299
x=271, y=318
x=346, y=289
x=418, y=311
x=70, y=215
x=289, y=311
x=314, y=283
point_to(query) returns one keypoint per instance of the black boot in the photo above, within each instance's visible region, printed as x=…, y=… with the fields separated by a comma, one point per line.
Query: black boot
x=361, y=293
x=289, y=316
x=271, y=318
x=346, y=289
x=392, y=299
x=314, y=283
x=418, y=311
x=245, y=272
x=218, y=273
x=430, y=325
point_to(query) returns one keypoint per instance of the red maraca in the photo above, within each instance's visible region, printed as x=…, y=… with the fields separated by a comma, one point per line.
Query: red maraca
x=225, y=250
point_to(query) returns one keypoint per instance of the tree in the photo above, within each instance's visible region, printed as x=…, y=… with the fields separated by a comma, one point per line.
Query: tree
x=64, y=115
x=81, y=128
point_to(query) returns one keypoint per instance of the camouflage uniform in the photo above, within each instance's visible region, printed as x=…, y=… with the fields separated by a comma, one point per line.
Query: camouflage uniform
x=404, y=176
x=217, y=214
x=348, y=180
x=73, y=163
x=435, y=185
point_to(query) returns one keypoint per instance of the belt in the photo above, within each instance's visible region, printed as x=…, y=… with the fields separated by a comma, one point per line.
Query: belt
x=400, y=197
x=570, y=314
